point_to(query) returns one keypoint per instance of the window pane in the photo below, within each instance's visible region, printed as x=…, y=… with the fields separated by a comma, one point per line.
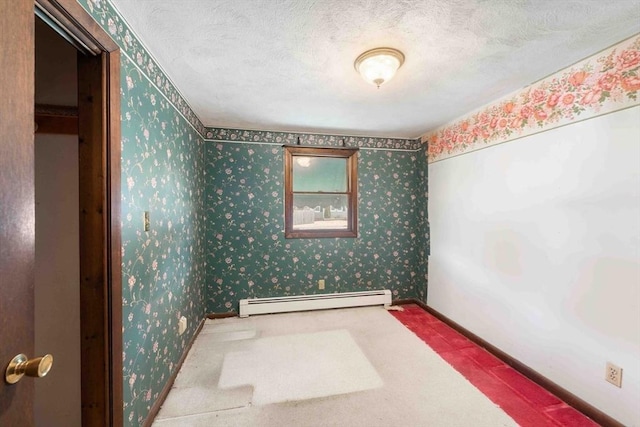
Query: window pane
x=327, y=174
x=321, y=211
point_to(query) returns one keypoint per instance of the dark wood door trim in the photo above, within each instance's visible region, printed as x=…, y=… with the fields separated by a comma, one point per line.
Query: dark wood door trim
x=100, y=231
x=79, y=24
x=100, y=280
x=114, y=240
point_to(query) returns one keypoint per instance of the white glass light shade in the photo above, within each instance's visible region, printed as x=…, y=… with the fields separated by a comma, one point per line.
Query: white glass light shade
x=378, y=66
x=304, y=162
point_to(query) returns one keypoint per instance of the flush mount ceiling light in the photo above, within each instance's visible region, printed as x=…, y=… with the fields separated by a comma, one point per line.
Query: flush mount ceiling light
x=377, y=66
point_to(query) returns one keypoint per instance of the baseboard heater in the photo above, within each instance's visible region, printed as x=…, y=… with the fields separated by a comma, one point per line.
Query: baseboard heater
x=313, y=302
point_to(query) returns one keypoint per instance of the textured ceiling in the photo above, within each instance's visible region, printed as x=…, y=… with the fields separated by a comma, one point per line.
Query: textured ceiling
x=288, y=64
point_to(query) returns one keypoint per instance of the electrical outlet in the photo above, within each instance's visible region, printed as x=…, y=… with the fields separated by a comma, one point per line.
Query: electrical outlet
x=613, y=374
x=182, y=325
x=146, y=221
x=321, y=284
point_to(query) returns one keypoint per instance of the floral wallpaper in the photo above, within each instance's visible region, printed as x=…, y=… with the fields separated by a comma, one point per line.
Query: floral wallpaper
x=217, y=216
x=248, y=256
x=163, y=173
x=605, y=82
x=257, y=136
x=163, y=269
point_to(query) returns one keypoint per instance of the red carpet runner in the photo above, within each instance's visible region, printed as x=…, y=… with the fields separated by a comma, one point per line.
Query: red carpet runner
x=525, y=401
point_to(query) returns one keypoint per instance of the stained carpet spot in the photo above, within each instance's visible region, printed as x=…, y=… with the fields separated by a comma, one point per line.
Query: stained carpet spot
x=301, y=366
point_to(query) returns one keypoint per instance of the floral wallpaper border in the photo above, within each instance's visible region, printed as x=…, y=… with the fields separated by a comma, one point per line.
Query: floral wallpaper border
x=258, y=136
x=111, y=20
x=603, y=83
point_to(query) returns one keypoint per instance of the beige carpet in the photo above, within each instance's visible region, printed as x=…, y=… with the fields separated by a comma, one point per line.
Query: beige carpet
x=348, y=367
x=299, y=367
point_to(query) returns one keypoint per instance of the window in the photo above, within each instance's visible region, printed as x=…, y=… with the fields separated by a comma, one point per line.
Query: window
x=321, y=192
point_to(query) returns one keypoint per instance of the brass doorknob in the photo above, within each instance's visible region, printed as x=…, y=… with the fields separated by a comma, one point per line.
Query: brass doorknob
x=20, y=366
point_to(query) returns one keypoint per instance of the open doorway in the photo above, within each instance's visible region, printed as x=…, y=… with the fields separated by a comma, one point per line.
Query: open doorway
x=57, y=400
x=77, y=303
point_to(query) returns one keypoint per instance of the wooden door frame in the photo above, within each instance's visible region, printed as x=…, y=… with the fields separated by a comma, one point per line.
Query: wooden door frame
x=100, y=230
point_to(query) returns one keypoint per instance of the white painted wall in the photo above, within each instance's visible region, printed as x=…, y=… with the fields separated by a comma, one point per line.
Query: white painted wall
x=535, y=247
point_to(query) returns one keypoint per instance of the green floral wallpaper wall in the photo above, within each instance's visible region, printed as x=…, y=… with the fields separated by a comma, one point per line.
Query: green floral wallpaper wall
x=163, y=173
x=163, y=269
x=216, y=220
x=248, y=256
